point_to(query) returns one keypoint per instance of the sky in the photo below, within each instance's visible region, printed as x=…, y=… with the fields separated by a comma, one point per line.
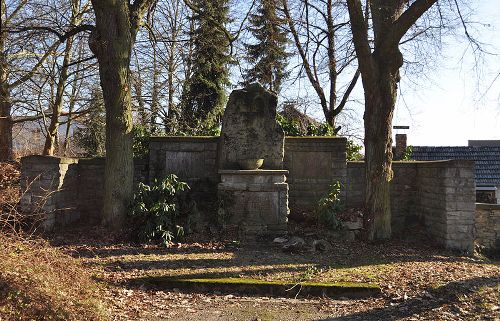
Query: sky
x=459, y=100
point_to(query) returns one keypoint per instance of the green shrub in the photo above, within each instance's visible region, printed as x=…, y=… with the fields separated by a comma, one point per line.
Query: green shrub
x=156, y=210
x=140, y=141
x=353, y=151
x=408, y=154
x=329, y=207
x=292, y=127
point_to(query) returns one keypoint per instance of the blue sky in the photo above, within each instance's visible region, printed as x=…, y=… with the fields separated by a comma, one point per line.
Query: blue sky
x=459, y=100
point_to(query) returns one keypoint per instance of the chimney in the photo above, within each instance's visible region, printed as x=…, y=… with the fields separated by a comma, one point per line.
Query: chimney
x=400, y=146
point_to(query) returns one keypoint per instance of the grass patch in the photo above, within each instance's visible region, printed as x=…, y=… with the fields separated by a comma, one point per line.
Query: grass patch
x=259, y=287
x=39, y=282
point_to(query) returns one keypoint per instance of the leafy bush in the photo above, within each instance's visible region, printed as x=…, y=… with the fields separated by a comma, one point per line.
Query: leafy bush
x=408, y=154
x=293, y=128
x=156, y=211
x=140, y=141
x=329, y=207
x=353, y=151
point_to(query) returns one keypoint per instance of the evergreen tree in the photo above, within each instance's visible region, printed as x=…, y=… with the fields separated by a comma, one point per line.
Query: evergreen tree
x=204, y=96
x=92, y=137
x=268, y=55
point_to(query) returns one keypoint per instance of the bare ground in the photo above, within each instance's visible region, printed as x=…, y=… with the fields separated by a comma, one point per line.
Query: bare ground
x=418, y=282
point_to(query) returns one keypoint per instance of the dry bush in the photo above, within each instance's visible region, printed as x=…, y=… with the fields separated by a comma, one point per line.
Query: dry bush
x=38, y=281
x=12, y=220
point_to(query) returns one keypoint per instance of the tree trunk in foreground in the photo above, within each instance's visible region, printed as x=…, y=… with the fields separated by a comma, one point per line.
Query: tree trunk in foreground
x=5, y=105
x=117, y=23
x=379, y=68
x=6, y=153
x=380, y=101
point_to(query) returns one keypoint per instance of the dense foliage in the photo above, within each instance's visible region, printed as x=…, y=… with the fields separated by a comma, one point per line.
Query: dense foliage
x=267, y=56
x=155, y=213
x=353, y=151
x=292, y=127
x=91, y=138
x=329, y=207
x=204, y=95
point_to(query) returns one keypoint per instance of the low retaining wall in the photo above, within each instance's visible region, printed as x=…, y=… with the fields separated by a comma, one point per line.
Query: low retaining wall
x=487, y=227
x=441, y=193
x=65, y=189
x=192, y=159
x=314, y=163
x=49, y=185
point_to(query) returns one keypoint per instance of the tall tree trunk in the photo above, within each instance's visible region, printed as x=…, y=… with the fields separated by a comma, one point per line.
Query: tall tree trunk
x=72, y=101
x=380, y=100
x=117, y=23
x=112, y=45
x=5, y=103
x=5, y=121
x=52, y=138
x=154, y=95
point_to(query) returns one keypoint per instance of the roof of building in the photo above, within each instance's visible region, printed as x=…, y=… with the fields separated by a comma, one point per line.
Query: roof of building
x=292, y=113
x=484, y=143
x=487, y=159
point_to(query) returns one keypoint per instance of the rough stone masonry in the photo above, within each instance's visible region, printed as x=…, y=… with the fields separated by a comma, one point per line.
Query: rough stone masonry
x=250, y=130
x=253, y=201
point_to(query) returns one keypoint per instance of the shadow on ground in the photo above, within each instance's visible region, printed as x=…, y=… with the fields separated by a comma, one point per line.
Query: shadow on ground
x=433, y=299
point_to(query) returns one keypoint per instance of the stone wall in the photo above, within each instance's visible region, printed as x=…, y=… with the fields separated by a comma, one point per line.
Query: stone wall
x=67, y=189
x=441, y=193
x=403, y=191
x=192, y=159
x=314, y=163
x=49, y=185
x=487, y=227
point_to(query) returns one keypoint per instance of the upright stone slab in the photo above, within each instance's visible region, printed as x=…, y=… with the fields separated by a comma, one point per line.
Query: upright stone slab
x=253, y=201
x=250, y=130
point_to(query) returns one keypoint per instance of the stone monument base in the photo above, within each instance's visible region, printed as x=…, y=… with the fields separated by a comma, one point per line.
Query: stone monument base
x=254, y=201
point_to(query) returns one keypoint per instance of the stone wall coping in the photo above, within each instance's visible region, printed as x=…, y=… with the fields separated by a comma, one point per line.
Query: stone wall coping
x=92, y=160
x=439, y=163
x=49, y=159
x=102, y=160
x=315, y=138
x=253, y=172
x=485, y=206
x=184, y=139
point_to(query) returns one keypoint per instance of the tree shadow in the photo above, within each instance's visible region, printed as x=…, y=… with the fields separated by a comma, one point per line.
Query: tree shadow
x=434, y=298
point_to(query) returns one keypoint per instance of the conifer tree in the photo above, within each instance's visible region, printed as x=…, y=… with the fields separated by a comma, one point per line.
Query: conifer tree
x=268, y=55
x=204, y=96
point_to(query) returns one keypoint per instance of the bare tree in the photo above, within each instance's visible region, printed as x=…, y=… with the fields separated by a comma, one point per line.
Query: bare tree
x=57, y=103
x=27, y=42
x=379, y=67
x=323, y=43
